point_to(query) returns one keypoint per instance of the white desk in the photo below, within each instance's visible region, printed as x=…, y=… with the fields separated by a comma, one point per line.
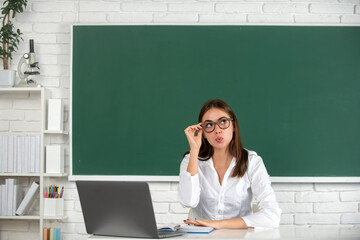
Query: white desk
x=283, y=232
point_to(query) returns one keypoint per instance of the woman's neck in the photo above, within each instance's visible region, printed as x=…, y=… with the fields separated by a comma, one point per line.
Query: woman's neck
x=221, y=157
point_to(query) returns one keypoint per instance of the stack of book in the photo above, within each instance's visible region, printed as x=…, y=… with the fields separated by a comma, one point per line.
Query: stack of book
x=10, y=196
x=51, y=234
x=20, y=154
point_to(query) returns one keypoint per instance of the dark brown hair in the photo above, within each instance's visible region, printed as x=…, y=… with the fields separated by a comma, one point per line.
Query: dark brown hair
x=235, y=147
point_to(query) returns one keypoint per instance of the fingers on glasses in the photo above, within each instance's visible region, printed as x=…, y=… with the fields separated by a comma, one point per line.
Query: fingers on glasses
x=194, y=128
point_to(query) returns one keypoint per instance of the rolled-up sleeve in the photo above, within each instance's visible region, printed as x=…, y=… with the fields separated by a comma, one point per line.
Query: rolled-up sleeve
x=189, y=186
x=269, y=212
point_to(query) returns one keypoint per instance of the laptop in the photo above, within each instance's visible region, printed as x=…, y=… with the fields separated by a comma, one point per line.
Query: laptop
x=122, y=209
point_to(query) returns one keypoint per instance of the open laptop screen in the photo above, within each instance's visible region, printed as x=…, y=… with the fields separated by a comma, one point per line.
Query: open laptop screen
x=114, y=208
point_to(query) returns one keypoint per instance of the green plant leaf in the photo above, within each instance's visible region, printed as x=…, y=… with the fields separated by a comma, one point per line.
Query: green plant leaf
x=9, y=36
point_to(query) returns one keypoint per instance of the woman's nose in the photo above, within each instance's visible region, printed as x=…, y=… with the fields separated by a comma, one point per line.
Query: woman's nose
x=217, y=129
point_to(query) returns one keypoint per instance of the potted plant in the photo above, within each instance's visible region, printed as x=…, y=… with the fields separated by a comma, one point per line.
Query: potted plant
x=9, y=38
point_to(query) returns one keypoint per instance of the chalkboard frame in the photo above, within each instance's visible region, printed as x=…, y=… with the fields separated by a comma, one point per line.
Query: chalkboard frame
x=175, y=178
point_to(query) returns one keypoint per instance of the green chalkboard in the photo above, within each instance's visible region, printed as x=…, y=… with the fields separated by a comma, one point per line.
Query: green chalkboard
x=294, y=89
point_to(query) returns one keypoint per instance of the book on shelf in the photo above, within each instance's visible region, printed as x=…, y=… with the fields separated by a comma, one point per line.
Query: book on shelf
x=57, y=234
x=4, y=153
x=10, y=154
x=46, y=233
x=22, y=158
x=185, y=228
x=1, y=153
x=51, y=234
x=37, y=154
x=28, y=200
x=27, y=154
x=17, y=198
x=10, y=182
x=19, y=154
x=15, y=162
x=32, y=154
x=3, y=200
x=10, y=195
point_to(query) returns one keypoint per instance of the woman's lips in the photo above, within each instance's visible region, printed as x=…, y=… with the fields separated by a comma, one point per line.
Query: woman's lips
x=219, y=139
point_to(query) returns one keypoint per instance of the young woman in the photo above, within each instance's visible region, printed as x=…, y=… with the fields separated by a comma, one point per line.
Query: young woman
x=219, y=177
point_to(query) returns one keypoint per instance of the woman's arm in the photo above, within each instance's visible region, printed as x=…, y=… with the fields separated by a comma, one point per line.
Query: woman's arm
x=269, y=212
x=195, y=144
x=219, y=224
x=192, y=167
x=189, y=186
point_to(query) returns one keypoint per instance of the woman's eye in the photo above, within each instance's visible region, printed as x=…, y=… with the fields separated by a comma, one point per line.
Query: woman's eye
x=209, y=125
x=223, y=122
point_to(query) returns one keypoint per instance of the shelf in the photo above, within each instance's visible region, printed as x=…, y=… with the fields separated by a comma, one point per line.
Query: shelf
x=19, y=174
x=55, y=132
x=33, y=174
x=21, y=89
x=55, y=174
x=29, y=217
x=55, y=217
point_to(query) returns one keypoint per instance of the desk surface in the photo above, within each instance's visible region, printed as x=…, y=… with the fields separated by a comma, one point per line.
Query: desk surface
x=283, y=232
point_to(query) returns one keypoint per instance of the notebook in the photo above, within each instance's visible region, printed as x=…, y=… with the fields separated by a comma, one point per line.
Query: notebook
x=122, y=209
x=185, y=228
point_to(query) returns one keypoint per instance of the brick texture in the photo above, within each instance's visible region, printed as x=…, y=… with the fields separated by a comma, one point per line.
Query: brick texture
x=285, y=8
x=331, y=8
x=323, y=219
x=238, y=7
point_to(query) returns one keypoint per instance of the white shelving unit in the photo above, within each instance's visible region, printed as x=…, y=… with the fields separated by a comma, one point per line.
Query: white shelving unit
x=42, y=176
x=55, y=132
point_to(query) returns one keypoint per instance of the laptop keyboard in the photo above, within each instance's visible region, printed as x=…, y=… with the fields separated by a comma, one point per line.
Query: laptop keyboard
x=169, y=234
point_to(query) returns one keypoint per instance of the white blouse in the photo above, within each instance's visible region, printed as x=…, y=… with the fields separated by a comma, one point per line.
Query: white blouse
x=210, y=200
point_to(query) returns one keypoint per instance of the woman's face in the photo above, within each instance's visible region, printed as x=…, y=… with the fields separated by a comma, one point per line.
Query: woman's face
x=219, y=138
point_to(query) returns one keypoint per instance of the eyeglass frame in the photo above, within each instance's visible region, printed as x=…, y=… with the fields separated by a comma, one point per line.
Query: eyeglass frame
x=216, y=123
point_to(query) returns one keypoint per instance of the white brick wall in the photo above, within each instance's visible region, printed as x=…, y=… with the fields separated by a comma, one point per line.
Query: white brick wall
x=191, y=7
x=315, y=219
x=285, y=8
x=48, y=22
x=332, y=8
x=144, y=6
x=234, y=7
x=99, y=6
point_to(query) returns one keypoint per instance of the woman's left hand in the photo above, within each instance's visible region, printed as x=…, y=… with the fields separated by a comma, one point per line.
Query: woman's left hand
x=205, y=223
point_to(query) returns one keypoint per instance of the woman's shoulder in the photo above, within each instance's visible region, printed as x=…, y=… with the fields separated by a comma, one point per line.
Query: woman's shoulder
x=186, y=159
x=251, y=154
x=253, y=158
x=256, y=167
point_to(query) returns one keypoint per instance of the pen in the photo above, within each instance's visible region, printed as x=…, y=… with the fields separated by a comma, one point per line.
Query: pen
x=62, y=191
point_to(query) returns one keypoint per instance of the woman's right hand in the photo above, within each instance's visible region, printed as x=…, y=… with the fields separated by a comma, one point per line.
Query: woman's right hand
x=194, y=141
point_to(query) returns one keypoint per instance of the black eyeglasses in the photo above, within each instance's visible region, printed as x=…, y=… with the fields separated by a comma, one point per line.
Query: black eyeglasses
x=223, y=123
